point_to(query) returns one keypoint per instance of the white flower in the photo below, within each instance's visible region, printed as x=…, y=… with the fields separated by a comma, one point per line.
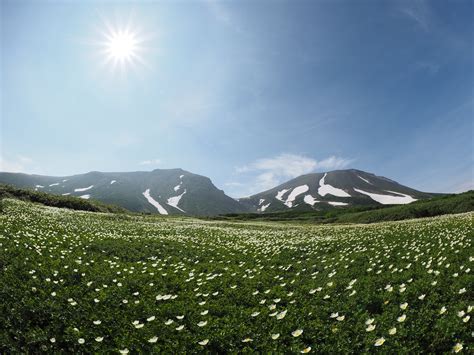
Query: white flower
x=442, y=310
x=247, y=340
x=153, y=340
x=124, y=351
x=403, y=306
x=457, y=348
x=402, y=318
x=369, y=321
x=150, y=319
x=52, y=340
x=99, y=339
x=461, y=291
x=254, y=314
x=340, y=318
x=169, y=321
x=306, y=350
x=379, y=341
x=202, y=323
x=203, y=342
x=370, y=328
x=392, y=331
x=81, y=341
x=97, y=322
x=297, y=332
x=461, y=314
x=275, y=336
x=421, y=297
x=180, y=328
x=466, y=319
x=281, y=315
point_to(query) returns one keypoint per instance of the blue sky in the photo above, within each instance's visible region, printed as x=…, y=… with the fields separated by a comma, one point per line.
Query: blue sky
x=249, y=93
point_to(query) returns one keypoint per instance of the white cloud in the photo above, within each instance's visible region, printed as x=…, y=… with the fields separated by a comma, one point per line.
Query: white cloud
x=150, y=162
x=233, y=184
x=274, y=171
x=19, y=165
x=420, y=12
x=221, y=13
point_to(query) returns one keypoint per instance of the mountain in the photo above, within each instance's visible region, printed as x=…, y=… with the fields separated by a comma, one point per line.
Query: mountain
x=176, y=191
x=163, y=191
x=333, y=189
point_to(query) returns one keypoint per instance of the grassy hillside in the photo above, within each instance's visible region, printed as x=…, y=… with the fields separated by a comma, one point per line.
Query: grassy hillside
x=75, y=203
x=81, y=283
x=447, y=204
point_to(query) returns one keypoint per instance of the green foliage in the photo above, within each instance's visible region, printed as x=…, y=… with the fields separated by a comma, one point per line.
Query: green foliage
x=75, y=203
x=437, y=206
x=80, y=282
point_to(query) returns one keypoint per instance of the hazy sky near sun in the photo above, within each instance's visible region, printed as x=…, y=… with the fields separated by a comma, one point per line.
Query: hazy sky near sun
x=248, y=93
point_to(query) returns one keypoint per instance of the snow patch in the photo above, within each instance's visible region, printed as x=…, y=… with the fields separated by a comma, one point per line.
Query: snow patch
x=177, y=187
x=85, y=196
x=181, y=176
x=67, y=193
x=152, y=201
x=113, y=182
x=84, y=188
x=325, y=189
x=334, y=203
x=64, y=180
x=295, y=193
x=402, y=199
x=173, y=201
x=55, y=184
x=367, y=181
x=310, y=200
x=262, y=200
x=279, y=195
x=39, y=186
x=263, y=208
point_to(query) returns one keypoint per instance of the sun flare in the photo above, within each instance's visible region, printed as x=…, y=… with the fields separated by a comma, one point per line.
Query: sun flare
x=122, y=47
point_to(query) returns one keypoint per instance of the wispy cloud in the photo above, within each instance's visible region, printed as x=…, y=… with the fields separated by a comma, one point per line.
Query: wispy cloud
x=19, y=164
x=234, y=184
x=430, y=67
x=273, y=171
x=420, y=12
x=222, y=14
x=150, y=162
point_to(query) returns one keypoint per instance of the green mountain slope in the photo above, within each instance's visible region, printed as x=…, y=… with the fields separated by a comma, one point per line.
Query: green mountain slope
x=436, y=206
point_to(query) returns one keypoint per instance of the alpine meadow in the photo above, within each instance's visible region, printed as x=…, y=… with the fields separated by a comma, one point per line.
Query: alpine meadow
x=236, y=177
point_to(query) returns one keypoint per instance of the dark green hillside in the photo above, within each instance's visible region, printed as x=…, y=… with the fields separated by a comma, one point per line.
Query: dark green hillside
x=448, y=204
x=75, y=203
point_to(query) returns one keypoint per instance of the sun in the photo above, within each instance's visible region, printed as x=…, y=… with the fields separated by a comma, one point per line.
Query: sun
x=122, y=46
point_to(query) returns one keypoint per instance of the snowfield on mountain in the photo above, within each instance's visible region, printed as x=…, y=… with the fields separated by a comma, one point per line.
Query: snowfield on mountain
x=176, y=191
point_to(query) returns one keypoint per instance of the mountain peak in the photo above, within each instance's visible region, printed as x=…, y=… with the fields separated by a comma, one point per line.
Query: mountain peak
x=337, y=188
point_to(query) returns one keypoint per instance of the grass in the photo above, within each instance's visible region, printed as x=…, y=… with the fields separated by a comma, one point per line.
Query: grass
x=81, y=282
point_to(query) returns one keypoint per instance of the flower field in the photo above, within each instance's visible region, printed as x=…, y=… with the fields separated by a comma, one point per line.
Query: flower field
x=90, y=282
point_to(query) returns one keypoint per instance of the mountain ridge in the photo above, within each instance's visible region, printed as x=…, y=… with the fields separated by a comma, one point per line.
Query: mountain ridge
x=178, y=191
